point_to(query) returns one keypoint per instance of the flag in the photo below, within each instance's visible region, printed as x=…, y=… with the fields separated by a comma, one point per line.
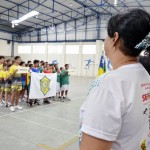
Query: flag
x=109, y=67
x=42, y=85
x=102, y=65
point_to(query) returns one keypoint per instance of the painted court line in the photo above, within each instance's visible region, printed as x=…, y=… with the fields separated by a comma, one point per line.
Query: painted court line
x=49, y=116
x=45, y=147
x=62, y=147
x=67, y=144
x=31, y=122
x=42, y=106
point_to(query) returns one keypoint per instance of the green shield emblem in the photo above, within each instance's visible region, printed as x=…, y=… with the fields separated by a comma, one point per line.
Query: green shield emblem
x=45, y=85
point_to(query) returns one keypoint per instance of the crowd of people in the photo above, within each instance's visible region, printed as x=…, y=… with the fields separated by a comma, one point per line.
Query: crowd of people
x=15, y=87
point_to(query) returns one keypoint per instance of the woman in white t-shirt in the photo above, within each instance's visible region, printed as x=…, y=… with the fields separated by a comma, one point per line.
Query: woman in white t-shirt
x=115, y=115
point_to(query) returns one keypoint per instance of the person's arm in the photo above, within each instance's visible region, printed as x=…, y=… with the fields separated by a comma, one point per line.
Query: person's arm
x=6, y=78
x=92, y=143
x=13, y=74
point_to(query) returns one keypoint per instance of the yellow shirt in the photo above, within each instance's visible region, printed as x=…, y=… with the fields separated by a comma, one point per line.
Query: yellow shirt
x=1, y=67
x=6, y=74
x=28, y=78
x=13, y=69
x=1, y=74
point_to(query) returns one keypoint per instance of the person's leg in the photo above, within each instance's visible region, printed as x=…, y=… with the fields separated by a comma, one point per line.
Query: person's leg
x=13, y=95
x=19, y=88
x=1, y=95
x=66, y=93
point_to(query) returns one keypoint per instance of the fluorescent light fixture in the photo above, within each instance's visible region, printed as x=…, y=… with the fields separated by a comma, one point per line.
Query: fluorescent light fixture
x=25, y=17
x=115, y=2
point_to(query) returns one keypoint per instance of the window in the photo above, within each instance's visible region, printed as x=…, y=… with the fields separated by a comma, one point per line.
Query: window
x=89, y=49
x=39, y=49
x=24, y=49
x=55, y=49
x=72, y=49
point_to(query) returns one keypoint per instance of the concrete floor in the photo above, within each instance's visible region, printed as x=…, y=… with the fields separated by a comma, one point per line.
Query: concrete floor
x=45, y=127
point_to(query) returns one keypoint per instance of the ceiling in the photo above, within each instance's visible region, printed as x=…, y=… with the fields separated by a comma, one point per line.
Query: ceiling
x=59, y=11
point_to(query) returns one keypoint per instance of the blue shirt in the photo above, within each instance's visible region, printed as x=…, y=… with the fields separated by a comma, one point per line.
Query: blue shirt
x=36, y=70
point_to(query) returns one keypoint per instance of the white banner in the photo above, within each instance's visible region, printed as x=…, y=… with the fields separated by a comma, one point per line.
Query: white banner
x=42, y=85
x=23, y=70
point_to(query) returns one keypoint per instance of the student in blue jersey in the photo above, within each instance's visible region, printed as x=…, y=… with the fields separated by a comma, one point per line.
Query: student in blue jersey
x=115, y=115
x=65, y=82
x=35, y=67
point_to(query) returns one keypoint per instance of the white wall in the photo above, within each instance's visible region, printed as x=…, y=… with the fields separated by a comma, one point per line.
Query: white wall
x=77, y=61
x=5, y=49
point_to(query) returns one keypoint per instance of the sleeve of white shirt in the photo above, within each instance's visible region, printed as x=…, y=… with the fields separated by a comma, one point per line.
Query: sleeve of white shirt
x=102, y=118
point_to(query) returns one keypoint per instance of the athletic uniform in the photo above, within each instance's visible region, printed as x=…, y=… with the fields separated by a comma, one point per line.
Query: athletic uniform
x=1, y=81
x=58, y=83
x=16, y=84
x=41, y=69
x=7, y=83
x=23, y=79
x=117, y=108
x=64, y=80
x=36, y=70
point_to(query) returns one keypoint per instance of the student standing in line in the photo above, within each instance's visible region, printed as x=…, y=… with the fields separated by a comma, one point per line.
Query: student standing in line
x=9, y=62
x=65, y=82
x=24, y=84
x=2, y=59
x=35, y=69
x=115, y=115
x=7, y=84
x=58, y=85
x=1, y=87
x=16, y=85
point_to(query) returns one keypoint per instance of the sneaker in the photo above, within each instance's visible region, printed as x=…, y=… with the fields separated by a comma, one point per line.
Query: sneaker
x=18, y=107
x=46, y=102
x=1, y=104
x=12, y=108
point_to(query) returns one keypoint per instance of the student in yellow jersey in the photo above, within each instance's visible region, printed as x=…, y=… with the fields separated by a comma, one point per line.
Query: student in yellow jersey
x=1, y=87
x=16, y=85
x=2, y=59
x=7, y=83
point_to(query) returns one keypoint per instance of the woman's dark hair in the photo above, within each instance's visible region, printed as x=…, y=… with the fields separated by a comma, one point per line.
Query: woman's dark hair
x=132, y=26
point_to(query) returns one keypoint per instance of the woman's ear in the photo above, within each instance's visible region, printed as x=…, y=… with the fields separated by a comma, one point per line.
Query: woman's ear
x=115, y=38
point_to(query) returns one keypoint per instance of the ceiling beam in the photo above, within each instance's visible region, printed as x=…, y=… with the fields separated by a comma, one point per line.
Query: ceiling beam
x=90, y=8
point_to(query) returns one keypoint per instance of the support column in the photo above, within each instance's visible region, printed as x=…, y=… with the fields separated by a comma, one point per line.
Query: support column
x=98, y=26
x=12, y=46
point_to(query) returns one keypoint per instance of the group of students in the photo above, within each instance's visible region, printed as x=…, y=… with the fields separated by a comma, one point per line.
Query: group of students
x=14, y=85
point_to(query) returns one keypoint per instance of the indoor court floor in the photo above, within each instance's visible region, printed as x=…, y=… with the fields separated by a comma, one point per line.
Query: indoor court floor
x=45, y=127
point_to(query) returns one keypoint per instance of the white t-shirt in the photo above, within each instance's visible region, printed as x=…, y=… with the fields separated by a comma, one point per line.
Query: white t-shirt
x=118, y=108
